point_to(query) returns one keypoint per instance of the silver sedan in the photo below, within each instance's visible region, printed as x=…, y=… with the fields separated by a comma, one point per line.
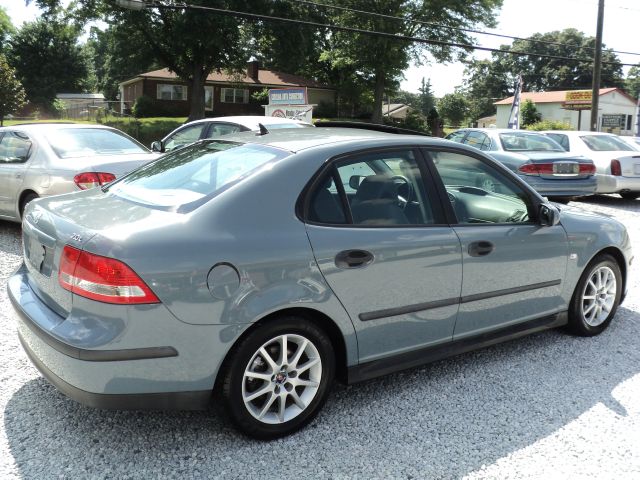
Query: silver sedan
x=38, y=160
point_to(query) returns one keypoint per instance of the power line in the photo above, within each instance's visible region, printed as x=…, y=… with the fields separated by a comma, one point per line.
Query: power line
x=439, y=25
x=442, y=43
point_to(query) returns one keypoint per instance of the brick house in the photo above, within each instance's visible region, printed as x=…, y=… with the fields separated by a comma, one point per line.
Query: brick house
x=225, y=94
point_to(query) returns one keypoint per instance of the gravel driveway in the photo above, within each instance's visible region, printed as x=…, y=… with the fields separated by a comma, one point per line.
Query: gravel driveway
x=547, y=406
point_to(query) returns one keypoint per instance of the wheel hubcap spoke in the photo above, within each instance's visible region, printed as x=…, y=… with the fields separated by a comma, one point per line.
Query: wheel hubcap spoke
x=282, y=379
x=599, y=295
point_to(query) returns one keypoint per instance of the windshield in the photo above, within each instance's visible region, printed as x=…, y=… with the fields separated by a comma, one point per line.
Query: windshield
x=528, y=142
x=605, y=143
x=194, y=173
x=89, y=142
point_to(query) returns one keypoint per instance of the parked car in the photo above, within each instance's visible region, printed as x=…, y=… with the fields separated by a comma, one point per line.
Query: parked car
x=260, y=268
x=215, y=127
x=541, y=163
x=38, y=160
x=617, y=162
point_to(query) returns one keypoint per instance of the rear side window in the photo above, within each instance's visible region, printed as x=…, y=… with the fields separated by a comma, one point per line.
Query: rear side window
x=194, y=174
x=562, y=139
x=375, y=189
x=15, y=147
x=185, y=136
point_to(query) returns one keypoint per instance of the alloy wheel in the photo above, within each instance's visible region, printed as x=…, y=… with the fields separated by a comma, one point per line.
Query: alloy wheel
x=599, y=295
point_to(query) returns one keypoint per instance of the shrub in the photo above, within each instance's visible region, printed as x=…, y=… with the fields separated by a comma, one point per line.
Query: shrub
x=143, y=107
x=549, y=125
x=147, y=130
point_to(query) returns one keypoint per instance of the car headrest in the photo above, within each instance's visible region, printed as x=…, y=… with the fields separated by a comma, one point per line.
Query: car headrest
x=375, y=187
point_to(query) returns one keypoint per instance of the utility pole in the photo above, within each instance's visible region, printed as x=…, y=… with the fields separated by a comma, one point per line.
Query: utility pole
x=597, y=66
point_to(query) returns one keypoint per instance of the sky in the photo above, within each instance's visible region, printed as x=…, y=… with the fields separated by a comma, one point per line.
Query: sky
x=520, y=18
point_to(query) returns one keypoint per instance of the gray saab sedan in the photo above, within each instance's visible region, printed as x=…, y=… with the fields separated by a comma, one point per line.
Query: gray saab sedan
x=256, y=269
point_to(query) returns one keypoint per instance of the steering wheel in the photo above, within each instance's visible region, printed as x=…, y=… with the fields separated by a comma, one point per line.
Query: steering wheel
x=410, y=193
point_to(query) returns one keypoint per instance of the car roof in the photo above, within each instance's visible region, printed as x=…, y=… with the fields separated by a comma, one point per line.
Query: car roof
x=295, y=140
x=45, y=127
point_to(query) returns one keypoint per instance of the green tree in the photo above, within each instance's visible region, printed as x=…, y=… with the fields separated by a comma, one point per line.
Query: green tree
x=486, y=82
x=6, y=29
x=48, y=59
x=453, y=108
x=529, y=113
x=426, y=99
x=380, y=61
x=632, y=82
x=12, y=94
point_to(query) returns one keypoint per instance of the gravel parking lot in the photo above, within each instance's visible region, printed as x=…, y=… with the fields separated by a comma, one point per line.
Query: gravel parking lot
x=547, y=406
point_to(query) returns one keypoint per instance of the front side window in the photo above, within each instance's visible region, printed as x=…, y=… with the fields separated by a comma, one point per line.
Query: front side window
x=195, y=173
x=376, y=189
x=185, y=136
x=528, y=142
x=605, y=143
x=234, y=95
x=88, y=142
x=15, y=147
x=171, y=92
x=478, y=192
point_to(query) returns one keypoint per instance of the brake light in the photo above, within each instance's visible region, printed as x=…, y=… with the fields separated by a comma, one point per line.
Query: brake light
x=536, y=168
x=587, y=169
x=101, y=278
x=616, y=169
x=87, y=180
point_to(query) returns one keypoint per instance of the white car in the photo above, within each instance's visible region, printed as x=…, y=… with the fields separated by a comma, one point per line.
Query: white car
x=633, y=141
x=617, y=162
x=39, y=160
x=218, y=126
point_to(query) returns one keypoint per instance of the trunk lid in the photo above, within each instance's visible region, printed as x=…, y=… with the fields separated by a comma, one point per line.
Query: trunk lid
x=630, y=165
x=565, y=165
x=116, y=164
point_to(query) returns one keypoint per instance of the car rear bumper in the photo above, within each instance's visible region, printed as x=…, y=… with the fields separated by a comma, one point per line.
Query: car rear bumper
x=615, y=184
x=169, y=376
x=564, y=187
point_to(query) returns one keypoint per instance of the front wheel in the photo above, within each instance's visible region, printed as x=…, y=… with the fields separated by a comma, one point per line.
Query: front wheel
x=278, y=377
x=596, y=297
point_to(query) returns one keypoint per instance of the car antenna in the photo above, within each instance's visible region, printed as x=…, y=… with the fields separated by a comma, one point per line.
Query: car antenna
x=263, y=130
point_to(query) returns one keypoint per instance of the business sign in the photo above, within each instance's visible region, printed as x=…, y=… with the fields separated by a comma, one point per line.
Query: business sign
x=577, y=100
x=288, y=96
x=613, y=121
x=294, y=112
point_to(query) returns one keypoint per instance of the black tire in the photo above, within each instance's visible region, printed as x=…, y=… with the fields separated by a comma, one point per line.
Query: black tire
x=247, y=350
x=25, y=200
x=578, y=324
x=630, y=195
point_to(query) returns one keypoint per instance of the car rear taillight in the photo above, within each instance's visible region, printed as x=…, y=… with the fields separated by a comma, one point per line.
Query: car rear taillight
x=536, y=168
x=616, y=169
x=101, y=278
x=88, y=180
x=587, y=169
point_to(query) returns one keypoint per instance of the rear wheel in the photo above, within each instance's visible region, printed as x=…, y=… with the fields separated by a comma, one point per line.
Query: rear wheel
x=596, y=297
x=278, y=377
x=25, y=200
x=630, y=195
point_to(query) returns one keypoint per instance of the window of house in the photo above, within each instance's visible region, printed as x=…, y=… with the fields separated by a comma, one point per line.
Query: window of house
x=172, y=92
x=234, y=95
x=208, y=98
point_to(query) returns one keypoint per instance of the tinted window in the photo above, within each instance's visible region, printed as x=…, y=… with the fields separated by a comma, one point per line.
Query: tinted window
x=14, y=147
x=89, y=142
x=187, y=135
x=562, y=139
x=478, y=192
x=528, y=142
x=604, y=143
x=194, y=173
x=381, y=189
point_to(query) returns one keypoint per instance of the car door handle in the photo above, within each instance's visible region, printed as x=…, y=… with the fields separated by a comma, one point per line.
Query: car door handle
x=480, y=249
x=353, y=259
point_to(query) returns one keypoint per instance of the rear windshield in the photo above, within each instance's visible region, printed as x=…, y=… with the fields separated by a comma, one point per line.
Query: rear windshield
x=194, y=174
x=528, y=142
x=605, y=143
x=89, y=142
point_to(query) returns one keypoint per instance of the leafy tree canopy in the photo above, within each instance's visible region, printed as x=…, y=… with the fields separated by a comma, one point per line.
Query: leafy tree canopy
x=453, y=108
x=6, y=29
x=12, y=94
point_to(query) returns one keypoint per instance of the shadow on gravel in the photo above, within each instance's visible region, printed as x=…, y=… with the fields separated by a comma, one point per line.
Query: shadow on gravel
x=439, y=421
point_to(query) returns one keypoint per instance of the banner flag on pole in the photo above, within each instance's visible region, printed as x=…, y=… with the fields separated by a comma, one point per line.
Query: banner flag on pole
x=514, y=116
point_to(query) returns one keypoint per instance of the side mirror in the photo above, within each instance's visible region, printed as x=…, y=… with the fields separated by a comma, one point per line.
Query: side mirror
x=157, y=146
x=548, y=215
x=354, y=181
